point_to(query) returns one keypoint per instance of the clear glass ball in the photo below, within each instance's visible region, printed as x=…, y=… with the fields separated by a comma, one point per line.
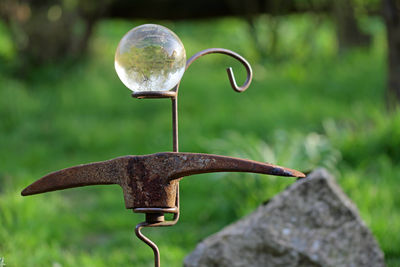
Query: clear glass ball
x=150, y=57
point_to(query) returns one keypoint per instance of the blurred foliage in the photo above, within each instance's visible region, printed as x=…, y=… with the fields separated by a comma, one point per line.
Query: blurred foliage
x=47, y=31
x=308, y=108
x=296, y=150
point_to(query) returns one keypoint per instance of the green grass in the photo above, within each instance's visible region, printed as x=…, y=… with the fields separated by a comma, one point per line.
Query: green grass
x=305, y=108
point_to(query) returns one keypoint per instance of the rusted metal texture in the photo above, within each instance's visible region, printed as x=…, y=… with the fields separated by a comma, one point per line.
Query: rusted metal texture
x=149, y=181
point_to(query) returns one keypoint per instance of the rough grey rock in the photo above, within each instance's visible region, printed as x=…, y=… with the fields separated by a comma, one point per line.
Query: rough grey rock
x=312, y=223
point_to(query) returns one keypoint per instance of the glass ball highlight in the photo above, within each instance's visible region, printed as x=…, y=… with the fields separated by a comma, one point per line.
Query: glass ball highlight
x=150, y=57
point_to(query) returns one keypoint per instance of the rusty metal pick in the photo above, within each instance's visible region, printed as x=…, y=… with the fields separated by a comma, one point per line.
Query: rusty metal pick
x=148, y=181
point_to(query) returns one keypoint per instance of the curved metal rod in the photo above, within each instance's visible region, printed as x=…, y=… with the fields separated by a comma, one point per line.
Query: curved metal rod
x=150, y=243
x=229, y=70
x=145, y=239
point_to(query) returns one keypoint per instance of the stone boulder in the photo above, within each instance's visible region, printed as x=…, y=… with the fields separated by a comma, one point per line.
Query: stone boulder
x=311, y=223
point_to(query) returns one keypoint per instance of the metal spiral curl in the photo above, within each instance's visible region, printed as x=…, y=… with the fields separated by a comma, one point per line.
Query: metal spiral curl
x=229, y=70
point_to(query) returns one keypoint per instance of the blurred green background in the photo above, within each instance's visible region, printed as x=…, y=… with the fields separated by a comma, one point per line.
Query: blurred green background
x=314, y=101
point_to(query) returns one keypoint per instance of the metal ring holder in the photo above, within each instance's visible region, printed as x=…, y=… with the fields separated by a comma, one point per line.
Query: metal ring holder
x=155, y=216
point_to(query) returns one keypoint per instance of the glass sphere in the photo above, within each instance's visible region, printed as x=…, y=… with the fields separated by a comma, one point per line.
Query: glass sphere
x=150, y=57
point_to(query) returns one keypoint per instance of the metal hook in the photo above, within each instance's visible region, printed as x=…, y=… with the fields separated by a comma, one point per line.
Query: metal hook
x=229, y=70
x=173, y=93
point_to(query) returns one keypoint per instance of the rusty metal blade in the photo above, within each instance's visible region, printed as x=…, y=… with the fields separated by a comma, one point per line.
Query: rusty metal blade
x=196, y=163
x=150, y=180
x=105, y=172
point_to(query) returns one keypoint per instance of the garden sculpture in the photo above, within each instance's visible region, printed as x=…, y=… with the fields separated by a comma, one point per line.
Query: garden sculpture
x=151, y=60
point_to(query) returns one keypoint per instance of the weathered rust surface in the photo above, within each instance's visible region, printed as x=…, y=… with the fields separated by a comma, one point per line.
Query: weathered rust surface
x=150, y=180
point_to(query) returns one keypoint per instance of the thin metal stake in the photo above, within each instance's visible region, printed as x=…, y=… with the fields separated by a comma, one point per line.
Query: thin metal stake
x=175, y=138
x=148, y=242
x=175, y=148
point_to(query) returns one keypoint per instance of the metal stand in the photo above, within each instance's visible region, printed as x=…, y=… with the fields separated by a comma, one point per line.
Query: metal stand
x=155, y=216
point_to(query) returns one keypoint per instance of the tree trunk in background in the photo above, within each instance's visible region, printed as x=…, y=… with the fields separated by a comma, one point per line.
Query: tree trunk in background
x=391, y=13
x=265, y=49
x=49, y=31
x=275, y=8
x=348, y=33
